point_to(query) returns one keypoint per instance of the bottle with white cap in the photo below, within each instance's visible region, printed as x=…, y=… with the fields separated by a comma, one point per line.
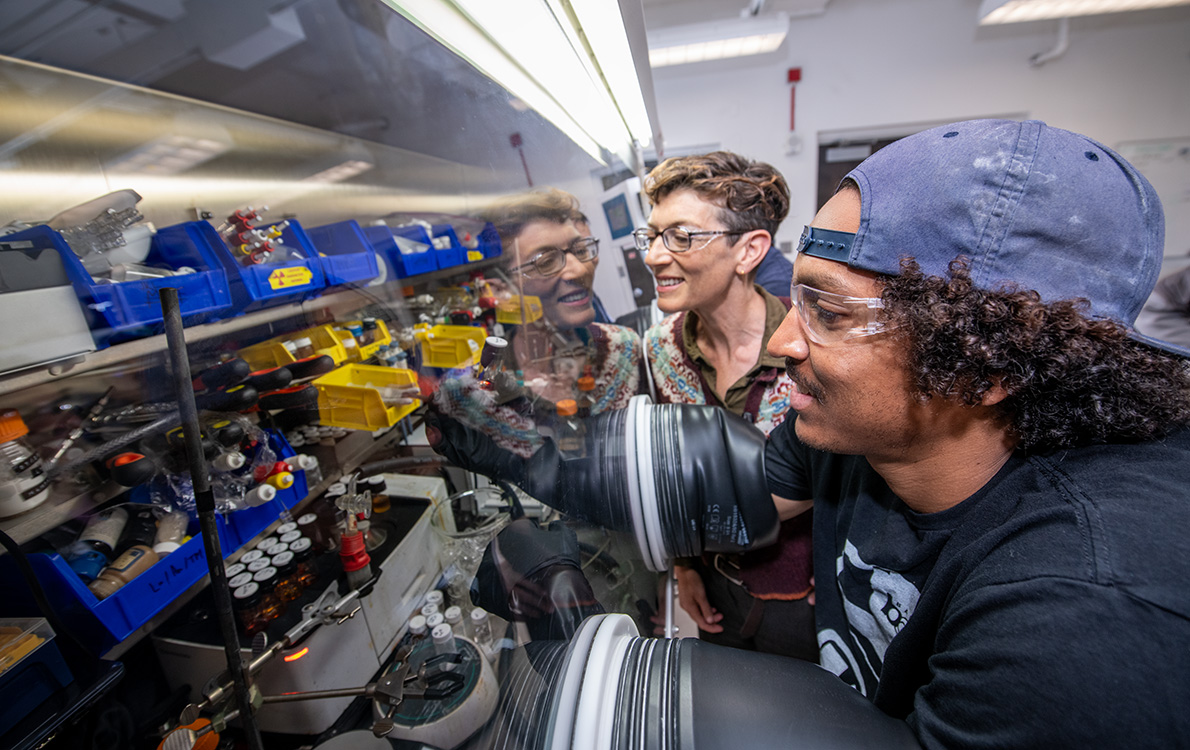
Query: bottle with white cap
x=454, y=618
x=171, y=532
x=429, y=609
x=435, y=597
x=481, y=628
x=417, y=627
x=434, y=620
x=308, y=464
x=444, y=643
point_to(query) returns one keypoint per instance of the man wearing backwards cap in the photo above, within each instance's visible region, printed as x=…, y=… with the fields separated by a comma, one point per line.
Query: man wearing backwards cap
x=999, y=464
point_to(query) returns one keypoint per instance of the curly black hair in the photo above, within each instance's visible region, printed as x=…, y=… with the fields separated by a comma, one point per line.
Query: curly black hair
x=1071, y=379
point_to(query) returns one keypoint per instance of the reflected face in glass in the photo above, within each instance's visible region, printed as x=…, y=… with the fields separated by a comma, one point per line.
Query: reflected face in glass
x=700, y=276
x=566, y=296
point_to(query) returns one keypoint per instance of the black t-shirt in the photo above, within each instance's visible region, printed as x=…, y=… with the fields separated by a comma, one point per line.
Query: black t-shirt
x=1050, y=609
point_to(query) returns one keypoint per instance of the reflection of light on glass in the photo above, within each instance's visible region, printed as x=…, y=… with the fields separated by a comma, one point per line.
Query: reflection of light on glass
x=341, y=172
x=170, y=154
x=1014, y=11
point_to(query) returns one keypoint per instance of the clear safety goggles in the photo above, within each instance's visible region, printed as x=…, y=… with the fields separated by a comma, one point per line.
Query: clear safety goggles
x=830, y=318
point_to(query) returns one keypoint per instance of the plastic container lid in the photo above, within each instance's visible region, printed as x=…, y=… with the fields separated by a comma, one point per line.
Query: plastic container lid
x=429, y=609
x=283, y=560
x=265, y=576
x=291, y=537
x=303, y=342
x=240, y=580
x=453, y=615
x=284, y=529
x=435, y=597
x=586, y=383
x=12, y=426
x=567, y=407
x=246, y=595
x=250, y=555
x=479, y=614
x=307, y=519
x=267, y=542
x=164, y=548
x=235, y=569
x=434, y=620
x=278, y=548
x=258, y=565
x=417, y=625
x=442, y=633
x=300, y=547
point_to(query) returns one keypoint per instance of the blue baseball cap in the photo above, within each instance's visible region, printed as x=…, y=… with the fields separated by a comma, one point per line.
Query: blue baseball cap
x=1040, y=207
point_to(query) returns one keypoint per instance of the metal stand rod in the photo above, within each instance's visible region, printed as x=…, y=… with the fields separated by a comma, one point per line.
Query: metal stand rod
x=204, y=500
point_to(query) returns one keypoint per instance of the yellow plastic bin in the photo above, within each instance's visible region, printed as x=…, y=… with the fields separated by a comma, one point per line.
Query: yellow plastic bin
x=272, y=353
x=350, y=397
x=361, y=352
x=450, y=346
x=519, y=310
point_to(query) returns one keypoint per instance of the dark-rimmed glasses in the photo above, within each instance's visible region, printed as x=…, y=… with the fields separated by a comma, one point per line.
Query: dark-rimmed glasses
x=676, y=239
x=549, y=261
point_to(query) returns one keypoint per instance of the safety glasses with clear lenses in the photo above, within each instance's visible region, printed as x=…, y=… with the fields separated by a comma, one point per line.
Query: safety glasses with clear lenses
x=676, y=239
x=830, y=318
x=550, y=261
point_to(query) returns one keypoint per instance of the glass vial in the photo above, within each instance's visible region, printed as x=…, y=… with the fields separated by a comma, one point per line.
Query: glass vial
x=454, y=618
x=481, y=628
x=444, y=643
x=570, y=432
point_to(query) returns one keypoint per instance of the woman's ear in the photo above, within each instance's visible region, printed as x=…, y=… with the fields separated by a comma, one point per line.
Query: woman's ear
x=993, y=395
x=753, y=246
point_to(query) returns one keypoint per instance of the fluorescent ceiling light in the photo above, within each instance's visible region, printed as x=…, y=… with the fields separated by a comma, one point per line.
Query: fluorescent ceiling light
x=560, y=57
x=341, y=172
x=1015, y=11
x=169, y=154
x=717, y=40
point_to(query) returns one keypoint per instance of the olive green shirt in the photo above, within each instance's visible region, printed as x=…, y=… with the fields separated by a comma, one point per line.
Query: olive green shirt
x=737, y=395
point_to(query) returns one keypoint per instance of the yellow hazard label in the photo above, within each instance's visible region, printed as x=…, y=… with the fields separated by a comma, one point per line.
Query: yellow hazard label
x=283, y=278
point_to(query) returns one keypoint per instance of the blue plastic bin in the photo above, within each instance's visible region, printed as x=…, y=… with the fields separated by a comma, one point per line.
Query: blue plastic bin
x=132, y=309
x=103, y=623
x=489, y=241
x=270, y=284
x=456, y=254
x=345, y=253
x=401, y=265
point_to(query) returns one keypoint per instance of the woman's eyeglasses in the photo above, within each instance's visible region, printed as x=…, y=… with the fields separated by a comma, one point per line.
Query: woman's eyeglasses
x=675, y=239
x=549, y=261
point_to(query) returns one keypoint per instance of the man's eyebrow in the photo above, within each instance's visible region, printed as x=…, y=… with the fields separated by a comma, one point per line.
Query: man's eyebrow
x=825, y=281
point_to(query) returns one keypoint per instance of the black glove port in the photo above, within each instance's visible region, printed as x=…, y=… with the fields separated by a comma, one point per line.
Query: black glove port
x=682, y=479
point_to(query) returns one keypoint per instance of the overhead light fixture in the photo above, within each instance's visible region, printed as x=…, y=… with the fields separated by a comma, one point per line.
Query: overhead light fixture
x=341, y=172
x=568, y=60
x=717, y=40
x=167, y=155
x=1016, y=11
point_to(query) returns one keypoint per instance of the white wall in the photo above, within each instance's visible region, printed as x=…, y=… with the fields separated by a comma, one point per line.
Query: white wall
x=875, y=63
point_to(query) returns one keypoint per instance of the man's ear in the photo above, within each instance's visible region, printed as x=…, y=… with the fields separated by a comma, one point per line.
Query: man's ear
x=752, y=248
x=993, y=395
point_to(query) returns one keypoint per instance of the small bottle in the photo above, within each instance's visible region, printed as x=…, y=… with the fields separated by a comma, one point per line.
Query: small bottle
x=303, y=555
x=246, y=601
x=569, y=431
x=127, y=566
x=289, y=537
x=586, y=395
x=23, y=483
x=258, y=565
x=141, y=529
x=308, y=464
x=266, y=576
x=454, y=618
x=251, y=556
x=234, y=569
x=288, y=586
x=228, y=461
x=277, y=549
x=435, y=597
x=311, y=529
x=434, y=620
x=103, y=531
x=259, y=495
x=429, y=609
x=444, y=643
x=264, y=544
x=417, y=627
x=380, y=500
x=304, y=347
x=239, y=579
x=481, y=628
x=171, y=532
x=290, y=347
x=370, y=331
x=285, y=528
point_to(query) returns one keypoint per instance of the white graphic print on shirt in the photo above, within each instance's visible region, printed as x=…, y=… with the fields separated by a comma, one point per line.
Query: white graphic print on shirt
x=877, y=604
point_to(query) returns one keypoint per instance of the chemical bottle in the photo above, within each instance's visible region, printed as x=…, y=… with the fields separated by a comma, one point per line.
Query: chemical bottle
x=434, y=620
x=96, y=546
x=171, y=532
x=435, y=597
x=444, y=643
x=23, y=483
x=304, y=347
x=127, y=566
x=586, y=395
x=569, y=431
x=417, y=627
x=308, y=464
x=303, y=555
x=289, y=586
x=429, y=609
x=371, y=331
x=141, y=528
x=481, y=628
x=246, y=600
x=454, y=618
x=380, y=500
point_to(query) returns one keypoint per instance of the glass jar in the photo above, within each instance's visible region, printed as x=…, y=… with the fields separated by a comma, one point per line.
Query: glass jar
x=246, y=601
x=288, y=587
x=303, y=555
